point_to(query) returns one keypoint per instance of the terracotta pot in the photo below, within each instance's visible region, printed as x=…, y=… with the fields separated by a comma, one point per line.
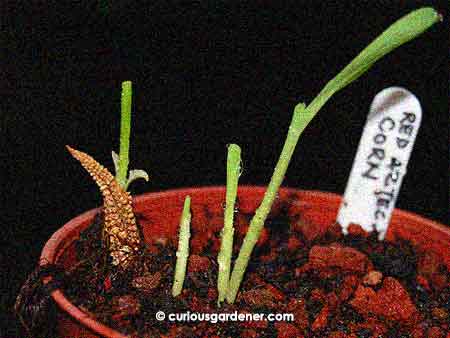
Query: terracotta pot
x=160, y=213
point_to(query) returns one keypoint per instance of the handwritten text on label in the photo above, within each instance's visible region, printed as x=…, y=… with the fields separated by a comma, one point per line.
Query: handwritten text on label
x=381, y=160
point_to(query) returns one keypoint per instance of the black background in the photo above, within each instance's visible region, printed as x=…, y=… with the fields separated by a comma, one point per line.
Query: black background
x=205, y=74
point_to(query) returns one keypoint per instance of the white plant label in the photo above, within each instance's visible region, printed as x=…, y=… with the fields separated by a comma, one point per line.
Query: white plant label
x=381, y=161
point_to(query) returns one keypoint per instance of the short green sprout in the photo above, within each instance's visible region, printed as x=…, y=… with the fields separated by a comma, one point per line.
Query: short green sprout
x=183, y=248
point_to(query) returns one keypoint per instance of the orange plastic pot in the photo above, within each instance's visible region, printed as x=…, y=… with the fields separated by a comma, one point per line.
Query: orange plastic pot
x=159, y=215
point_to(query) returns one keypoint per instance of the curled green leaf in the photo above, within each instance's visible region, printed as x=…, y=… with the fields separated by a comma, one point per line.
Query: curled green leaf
x=136, y=174
x=133, y=174
x=115, y=158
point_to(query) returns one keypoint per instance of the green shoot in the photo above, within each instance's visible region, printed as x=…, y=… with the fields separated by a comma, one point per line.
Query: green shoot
x=125, y=129
x=402, y=31
x=183, y=248
x=121, y=161
x=226, y=244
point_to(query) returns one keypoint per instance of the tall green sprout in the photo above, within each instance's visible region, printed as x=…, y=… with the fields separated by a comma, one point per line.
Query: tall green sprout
x=125, y=130
x=402, y=31
x=121, y=161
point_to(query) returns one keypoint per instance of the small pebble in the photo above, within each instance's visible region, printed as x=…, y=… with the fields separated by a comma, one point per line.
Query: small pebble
x=439, y=313
x=373, y=278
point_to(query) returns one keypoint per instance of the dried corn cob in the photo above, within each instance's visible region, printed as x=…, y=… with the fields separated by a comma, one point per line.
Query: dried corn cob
x=120, y=228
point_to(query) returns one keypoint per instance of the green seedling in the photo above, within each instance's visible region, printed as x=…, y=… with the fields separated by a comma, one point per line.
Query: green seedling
x=183, y=248
x=121, y=161
x=226, y=243
x=402, y=31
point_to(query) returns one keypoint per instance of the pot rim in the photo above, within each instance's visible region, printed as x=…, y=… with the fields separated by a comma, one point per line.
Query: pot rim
x=59, y=241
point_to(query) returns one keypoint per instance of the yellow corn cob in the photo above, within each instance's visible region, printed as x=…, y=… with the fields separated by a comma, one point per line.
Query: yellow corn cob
x=120, y=229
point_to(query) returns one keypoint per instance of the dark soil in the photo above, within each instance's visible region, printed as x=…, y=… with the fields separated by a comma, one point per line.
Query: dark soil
x=336, y=286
